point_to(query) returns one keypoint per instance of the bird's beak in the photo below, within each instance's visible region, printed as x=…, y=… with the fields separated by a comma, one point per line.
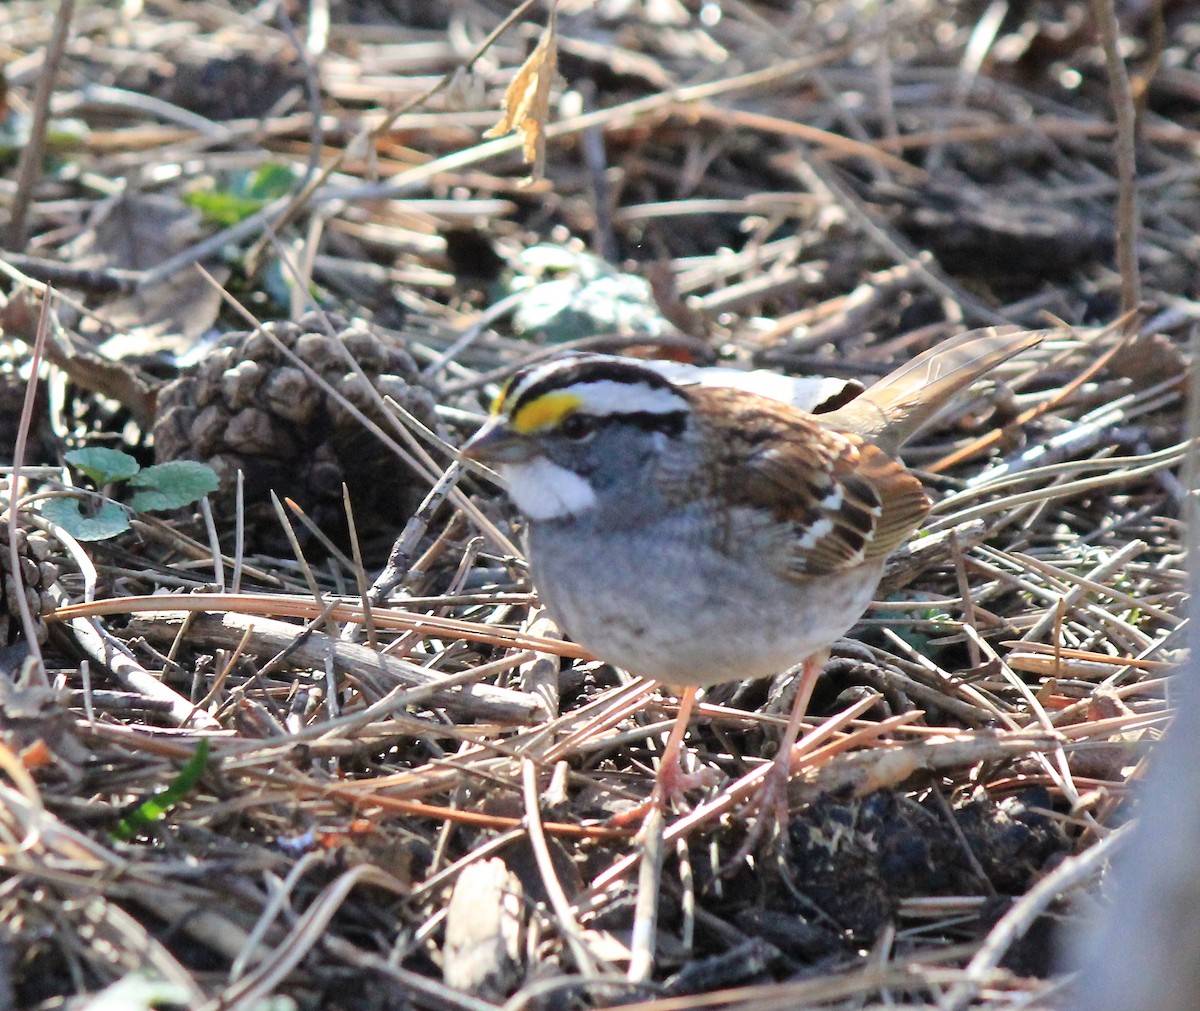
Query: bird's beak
x=496, y=443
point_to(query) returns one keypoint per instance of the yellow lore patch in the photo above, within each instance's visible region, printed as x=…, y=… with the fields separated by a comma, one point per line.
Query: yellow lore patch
x=545, y=412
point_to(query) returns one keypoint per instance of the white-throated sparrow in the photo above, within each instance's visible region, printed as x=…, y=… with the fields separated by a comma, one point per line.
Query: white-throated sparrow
x=697, y=534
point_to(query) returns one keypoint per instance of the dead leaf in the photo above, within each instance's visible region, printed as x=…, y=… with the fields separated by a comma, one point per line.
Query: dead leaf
x=135, y=231
x=37, y=755
x=164, y=318
x=93, y=371
x=527, y=100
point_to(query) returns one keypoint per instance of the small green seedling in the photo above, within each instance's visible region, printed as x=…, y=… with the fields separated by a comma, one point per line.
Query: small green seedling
x=157, y=807
x=236, y=196
x=160, y=488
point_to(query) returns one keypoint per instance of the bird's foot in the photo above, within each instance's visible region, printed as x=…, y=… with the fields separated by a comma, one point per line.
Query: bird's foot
x=671, y=785
x=770, y=800
x=768, y=806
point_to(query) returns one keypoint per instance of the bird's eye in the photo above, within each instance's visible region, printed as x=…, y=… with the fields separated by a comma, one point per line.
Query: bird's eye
x=577, y=427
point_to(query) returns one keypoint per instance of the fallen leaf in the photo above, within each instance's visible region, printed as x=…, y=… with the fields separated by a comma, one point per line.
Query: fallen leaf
x=37, y=755
x=527, y=100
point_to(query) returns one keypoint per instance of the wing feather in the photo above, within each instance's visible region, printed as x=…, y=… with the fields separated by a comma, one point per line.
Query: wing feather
x=844, y=502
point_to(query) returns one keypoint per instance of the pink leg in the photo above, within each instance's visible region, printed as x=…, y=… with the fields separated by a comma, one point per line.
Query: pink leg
x=782, y=772
x=671, y=782
x=772, y=793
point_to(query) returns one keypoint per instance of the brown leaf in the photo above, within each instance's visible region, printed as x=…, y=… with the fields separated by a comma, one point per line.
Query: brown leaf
x=527, y=100
x=90, y=369
x=169, y=316
x=135, y=231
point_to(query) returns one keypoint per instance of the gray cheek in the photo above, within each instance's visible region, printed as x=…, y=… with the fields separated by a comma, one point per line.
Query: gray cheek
x=579, y=457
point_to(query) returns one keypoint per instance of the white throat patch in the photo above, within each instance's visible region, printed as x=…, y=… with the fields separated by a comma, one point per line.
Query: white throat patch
x=543, y=490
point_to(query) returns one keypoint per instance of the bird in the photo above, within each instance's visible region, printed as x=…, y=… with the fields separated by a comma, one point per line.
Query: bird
x=697, y=534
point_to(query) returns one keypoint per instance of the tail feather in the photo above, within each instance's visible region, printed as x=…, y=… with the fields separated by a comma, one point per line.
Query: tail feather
x=893, y=410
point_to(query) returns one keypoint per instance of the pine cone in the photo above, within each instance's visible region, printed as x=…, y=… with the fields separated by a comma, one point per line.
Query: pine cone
x=38, y=571
x=247, y=407
x=233, y=79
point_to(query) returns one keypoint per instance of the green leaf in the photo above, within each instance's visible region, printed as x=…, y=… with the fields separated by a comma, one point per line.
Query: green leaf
x=542, y=262
x=157, y=807
x=238, y=195
x=571, y=308
x=174, y=484
x=62, y=135
x=274, y=179
x=224, y=209
x=106, y=522
x=277, y=282
x=570, y=294
x=104, y=465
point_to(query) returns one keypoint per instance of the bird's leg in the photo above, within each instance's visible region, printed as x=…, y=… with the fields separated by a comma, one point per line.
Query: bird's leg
x=773, y=792
x=671, y=782
x=809, y=675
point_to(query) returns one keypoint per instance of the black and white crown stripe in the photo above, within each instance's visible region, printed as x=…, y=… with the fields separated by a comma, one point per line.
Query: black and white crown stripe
x=606, y=386
x=815, y=394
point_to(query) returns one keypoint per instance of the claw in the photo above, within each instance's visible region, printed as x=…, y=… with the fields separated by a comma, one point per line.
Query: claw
x=771, y=801
x=671, y=782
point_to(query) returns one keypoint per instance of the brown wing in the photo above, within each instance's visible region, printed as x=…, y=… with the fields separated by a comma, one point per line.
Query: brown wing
x=845, y=501
x=893, y=410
